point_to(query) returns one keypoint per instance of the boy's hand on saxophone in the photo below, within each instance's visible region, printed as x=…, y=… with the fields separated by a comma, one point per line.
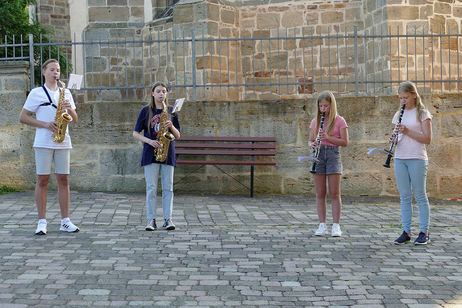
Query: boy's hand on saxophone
x=52, y=126
x=67, y=105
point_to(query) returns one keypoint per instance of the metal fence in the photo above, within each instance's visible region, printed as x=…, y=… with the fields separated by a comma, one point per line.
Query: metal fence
x=258, y=64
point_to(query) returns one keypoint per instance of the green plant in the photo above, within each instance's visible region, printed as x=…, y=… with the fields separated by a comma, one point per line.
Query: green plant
x=6, y=189
x=15, y=28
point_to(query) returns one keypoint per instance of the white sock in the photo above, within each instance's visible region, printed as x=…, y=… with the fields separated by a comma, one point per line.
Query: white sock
x=65, y=220
x=42, y=221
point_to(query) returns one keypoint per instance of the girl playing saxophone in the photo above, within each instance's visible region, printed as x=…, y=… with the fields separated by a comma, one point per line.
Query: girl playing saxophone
x=149, y=121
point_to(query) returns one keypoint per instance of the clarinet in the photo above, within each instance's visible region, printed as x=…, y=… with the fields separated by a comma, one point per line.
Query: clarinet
x=395, y=139
x=318, y=145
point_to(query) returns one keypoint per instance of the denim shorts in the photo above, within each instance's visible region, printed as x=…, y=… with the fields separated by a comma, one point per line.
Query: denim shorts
x=329, y=160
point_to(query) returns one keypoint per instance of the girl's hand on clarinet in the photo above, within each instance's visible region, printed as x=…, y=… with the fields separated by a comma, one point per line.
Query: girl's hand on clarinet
x=392, y=137
x=402, y=129
x=312, y=144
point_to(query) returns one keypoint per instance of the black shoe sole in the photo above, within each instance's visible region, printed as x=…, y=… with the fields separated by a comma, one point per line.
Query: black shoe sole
x=170, y=228
x=40, y=233
x=150, y=229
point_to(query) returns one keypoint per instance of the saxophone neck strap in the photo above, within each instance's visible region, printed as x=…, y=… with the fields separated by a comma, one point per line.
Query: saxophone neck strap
x=49, y=98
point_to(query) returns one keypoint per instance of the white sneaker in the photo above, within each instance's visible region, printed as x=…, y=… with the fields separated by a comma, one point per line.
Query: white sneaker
x=41, y=228
x=336, y=232
x=68, y=227
x=322, y=229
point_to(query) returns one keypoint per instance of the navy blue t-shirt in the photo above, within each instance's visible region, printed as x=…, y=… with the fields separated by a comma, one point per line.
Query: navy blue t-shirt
x=142, y=125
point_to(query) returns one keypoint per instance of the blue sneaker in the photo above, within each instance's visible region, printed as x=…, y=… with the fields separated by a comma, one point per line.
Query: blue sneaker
x=422, y=239
x=402, y=239
x=168, y=225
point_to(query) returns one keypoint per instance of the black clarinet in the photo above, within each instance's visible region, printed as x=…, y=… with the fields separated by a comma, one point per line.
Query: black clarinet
x=318, y=145
x=395, y=139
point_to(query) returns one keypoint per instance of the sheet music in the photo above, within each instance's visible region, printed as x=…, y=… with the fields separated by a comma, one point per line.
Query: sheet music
x=309, y=158
x=75, y=81
x=178, y=104
x=373, y=151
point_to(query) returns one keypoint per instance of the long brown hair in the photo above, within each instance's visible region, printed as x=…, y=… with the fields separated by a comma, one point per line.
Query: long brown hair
x=410, y=87
x=328, y=96
x=152, y=103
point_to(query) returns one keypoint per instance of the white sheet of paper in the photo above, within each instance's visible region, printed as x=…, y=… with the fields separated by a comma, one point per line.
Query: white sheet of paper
x=178, y=104
x=75, y=81
x=310, y=158
x=372, y=151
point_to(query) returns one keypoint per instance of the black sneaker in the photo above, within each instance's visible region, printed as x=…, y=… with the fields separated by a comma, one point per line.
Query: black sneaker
x=402, y=239
x=422, y=239
x=151, y=226
x=168, y=225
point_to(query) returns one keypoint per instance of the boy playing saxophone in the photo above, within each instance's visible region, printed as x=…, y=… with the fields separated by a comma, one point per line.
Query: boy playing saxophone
x=44, y=102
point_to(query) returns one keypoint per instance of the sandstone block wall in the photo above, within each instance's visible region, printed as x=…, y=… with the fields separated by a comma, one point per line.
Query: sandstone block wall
x=106, y=157
x=263, y=61
x=16, y=154
x=55, y=14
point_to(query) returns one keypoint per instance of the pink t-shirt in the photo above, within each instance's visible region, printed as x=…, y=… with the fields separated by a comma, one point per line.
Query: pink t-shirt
x=340, y=123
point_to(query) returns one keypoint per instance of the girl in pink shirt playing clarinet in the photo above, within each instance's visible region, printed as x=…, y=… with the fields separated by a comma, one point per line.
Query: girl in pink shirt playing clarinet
x=327, y=169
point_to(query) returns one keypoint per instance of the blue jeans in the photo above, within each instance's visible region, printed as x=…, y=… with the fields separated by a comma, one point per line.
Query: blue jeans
x=151, y=174
x=413, y=172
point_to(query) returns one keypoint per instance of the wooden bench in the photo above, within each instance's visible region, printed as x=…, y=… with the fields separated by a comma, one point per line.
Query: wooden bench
x=221, y=151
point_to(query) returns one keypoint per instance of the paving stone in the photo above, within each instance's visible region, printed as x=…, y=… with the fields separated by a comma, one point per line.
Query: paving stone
x=226, y=251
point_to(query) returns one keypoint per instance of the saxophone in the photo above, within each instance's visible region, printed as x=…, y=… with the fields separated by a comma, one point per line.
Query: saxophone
x=62, y=118
x=163, y=136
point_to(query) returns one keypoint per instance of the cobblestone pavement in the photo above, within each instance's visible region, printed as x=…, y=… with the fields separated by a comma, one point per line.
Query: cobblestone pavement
x=226, y=251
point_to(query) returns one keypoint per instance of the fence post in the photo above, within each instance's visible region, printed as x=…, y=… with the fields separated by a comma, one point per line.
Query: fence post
x=356, y=58
x=31, y=61
x=193, y=63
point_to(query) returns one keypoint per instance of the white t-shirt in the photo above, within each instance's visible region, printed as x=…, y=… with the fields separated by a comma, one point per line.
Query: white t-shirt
x=43, y=136
x=408, y=148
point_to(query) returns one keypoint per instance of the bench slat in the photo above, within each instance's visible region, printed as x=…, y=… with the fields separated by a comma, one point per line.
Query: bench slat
x=226, y=162
x=226, y=152
x=228, y=139
x=179, y=144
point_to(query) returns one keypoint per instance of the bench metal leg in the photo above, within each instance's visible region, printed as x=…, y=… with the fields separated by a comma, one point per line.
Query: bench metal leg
x=252, y=168
x=184, y=176
x=251, y=181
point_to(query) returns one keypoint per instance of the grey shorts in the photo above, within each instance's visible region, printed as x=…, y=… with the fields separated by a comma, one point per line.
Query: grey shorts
x=329, y=160
x=44, y=158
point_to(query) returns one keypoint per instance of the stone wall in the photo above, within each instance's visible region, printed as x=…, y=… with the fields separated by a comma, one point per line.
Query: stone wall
x=113, y=64
x=264, y=61
x=55, y=14
x=106, y=157
x=16, y=154
x=255, y=58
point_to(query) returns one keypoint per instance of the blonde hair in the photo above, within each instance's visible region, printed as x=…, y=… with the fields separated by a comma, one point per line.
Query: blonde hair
x=45, y=64
x=328, y=96
x=410, y=87
x=152, y=103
